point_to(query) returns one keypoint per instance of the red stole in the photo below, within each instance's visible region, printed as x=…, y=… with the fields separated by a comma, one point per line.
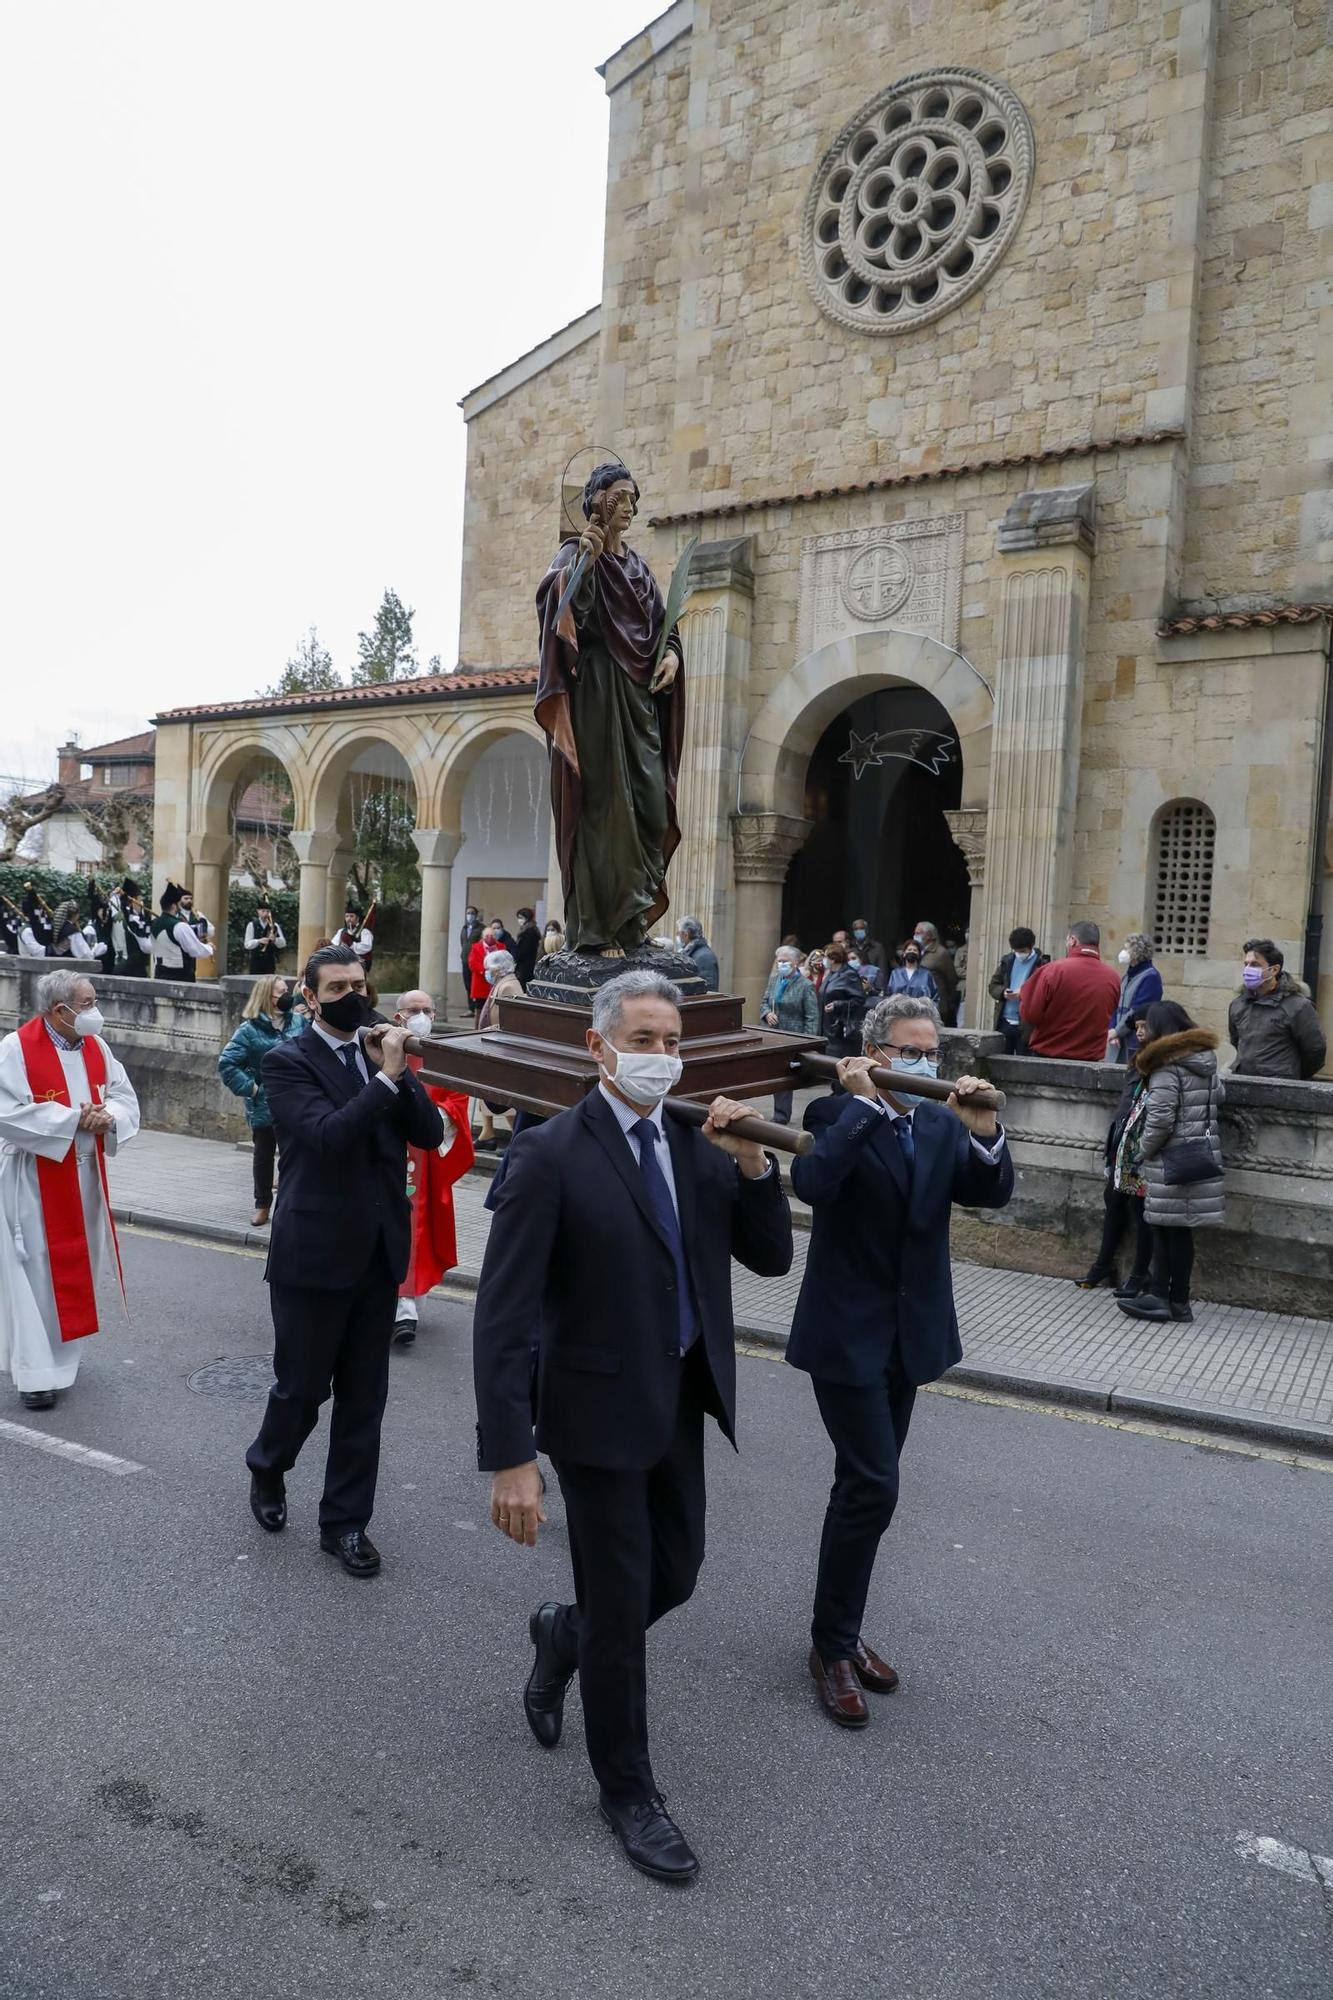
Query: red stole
x=430, y=1181
x=58, y=1183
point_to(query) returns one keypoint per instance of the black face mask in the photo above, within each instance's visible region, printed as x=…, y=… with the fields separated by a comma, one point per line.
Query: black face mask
x=285, y=1004
x=347, y=1013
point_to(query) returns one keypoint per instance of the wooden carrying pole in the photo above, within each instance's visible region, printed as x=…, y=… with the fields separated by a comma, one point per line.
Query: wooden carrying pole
x=778, y=1138
x=898, y=1084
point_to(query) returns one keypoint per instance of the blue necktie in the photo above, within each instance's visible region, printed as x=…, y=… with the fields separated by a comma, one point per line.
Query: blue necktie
x=664, y=1213
x=348, y=1055
x=907, y=1140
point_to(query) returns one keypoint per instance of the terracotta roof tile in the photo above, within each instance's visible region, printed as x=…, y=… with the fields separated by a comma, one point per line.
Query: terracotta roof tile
x=919, y=475
x=125, y=750
x=467, y=683
x=1241, y=621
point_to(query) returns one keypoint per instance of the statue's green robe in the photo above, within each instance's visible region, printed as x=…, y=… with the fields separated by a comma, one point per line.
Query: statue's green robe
x=615, y=748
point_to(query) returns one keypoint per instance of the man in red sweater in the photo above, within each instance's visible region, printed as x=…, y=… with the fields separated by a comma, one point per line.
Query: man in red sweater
x=1067, y=1005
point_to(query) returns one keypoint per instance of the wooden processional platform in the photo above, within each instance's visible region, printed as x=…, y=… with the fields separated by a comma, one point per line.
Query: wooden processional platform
x=537, y=1058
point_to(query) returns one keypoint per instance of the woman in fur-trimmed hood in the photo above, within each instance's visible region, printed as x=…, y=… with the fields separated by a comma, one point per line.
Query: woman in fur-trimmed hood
x=1179, y=1060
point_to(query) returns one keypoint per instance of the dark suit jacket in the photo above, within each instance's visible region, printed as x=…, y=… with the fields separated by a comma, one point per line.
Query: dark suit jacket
x=342, y=1181
x=878, y=1265
x=574, y=1248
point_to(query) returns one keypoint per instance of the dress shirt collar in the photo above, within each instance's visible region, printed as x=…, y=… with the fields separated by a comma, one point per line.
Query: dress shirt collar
x=332, y=1042
x=71, y=1048
x=627, y=1115
x=908, y=1112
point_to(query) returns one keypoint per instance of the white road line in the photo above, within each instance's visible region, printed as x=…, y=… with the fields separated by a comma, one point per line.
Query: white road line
x=78, y=1454
x=1297, y=1861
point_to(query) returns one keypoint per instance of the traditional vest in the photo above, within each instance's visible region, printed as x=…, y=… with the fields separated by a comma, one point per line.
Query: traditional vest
x=165, y=947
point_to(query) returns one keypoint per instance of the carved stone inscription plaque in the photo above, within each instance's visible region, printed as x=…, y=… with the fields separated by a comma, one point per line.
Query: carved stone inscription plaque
x=905, y=574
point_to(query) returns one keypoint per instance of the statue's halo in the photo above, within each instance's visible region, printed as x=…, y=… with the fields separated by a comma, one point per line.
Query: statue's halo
x=582, y=464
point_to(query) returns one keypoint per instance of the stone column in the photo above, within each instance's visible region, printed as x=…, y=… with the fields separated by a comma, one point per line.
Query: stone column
x=763, y=845
x=210, y=872
x=437, y=850
x=968, y=827
x=716, y=635
x=1048, y=538
x=335, y=889
x=314, y=850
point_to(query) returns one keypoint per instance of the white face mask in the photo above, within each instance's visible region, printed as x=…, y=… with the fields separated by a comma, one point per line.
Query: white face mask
x=419, y=1024
x=645, y=1079
x=89, y=1022
x=1122, y=956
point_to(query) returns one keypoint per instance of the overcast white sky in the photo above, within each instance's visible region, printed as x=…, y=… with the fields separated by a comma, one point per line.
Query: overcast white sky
x=252, y=255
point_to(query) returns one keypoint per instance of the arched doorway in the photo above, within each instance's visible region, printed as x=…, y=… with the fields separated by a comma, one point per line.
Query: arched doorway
x=880, y=779
x=782, y=798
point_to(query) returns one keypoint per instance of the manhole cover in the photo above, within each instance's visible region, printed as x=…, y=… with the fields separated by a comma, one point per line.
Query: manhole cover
x=248, y=1378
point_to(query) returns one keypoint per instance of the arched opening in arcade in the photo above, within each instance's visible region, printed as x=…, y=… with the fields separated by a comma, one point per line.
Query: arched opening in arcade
x=502, y=864
x=880, y=781
x=375, y=868
x=261, y=813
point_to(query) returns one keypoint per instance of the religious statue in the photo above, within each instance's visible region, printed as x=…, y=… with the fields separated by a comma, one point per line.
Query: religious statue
x=611, y=699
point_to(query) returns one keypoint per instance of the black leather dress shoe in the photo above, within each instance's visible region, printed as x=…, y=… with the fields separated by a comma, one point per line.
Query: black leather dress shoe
x=268, y=1502
x=544, y=1695
x=354, y=1550
x=39, y=1399
x=404, y=1332
x=652, y=1840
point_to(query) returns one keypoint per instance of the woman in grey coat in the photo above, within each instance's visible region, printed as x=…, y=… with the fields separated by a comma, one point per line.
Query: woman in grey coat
x=1184, y=1093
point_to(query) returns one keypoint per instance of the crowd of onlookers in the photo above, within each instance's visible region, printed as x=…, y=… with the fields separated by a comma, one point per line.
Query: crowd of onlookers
x=1165, y=1175
x=1163, y=1163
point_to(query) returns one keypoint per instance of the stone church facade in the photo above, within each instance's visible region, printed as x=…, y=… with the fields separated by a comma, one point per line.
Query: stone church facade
x=987, y=347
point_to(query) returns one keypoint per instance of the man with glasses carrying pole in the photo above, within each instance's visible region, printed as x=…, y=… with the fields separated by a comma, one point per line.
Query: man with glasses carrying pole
x=881, y=1183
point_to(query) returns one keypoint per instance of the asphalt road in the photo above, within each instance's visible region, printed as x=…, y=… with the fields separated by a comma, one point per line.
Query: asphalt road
x=230, y=1770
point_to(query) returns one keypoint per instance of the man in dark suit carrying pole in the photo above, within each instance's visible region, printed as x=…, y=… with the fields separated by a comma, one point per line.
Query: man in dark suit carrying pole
x=619, y=1226
x=346, y=1107
x=881, y=1183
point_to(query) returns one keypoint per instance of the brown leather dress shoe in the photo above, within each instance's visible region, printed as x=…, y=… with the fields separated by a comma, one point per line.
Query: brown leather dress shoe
x=840, y=1691
x=872, y=1672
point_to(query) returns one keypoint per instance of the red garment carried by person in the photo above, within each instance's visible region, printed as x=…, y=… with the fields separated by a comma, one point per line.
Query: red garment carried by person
x=479, y=986
x=430, y=1181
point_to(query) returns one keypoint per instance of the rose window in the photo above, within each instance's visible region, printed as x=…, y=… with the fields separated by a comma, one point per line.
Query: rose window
x=916, y=200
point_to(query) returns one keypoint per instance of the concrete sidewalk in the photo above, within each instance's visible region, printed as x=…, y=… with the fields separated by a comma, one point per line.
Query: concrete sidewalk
x=1265, y=1375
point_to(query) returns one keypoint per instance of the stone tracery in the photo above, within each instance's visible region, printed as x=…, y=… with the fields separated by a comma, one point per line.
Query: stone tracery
x=916, y=200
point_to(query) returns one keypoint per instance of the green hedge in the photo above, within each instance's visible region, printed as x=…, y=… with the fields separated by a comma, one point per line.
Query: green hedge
x=56, y=886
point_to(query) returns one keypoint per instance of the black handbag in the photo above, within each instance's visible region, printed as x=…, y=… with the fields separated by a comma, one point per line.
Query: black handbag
x=1185, y=1161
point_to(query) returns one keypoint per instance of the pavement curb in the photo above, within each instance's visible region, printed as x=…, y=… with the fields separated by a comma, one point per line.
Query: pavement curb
x=461, y=1286
x=232, y=1235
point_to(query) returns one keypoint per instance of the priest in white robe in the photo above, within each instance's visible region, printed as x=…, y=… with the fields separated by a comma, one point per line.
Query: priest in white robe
x=65, y=1103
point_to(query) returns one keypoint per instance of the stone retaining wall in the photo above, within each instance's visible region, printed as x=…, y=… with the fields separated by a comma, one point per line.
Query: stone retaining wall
x=167, y=1032
x=1276, y=1250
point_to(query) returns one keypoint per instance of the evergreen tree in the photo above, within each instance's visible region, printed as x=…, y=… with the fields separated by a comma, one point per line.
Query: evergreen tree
x=387, y=653
x=310, y=670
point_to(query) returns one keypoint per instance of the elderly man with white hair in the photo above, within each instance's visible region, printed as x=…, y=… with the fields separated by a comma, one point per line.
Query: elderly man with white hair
x=65, y=1102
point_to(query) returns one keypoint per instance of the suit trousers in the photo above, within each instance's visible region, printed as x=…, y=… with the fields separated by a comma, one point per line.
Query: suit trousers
x=331, y=1343
x=867, y=1425
x=637, y=1543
